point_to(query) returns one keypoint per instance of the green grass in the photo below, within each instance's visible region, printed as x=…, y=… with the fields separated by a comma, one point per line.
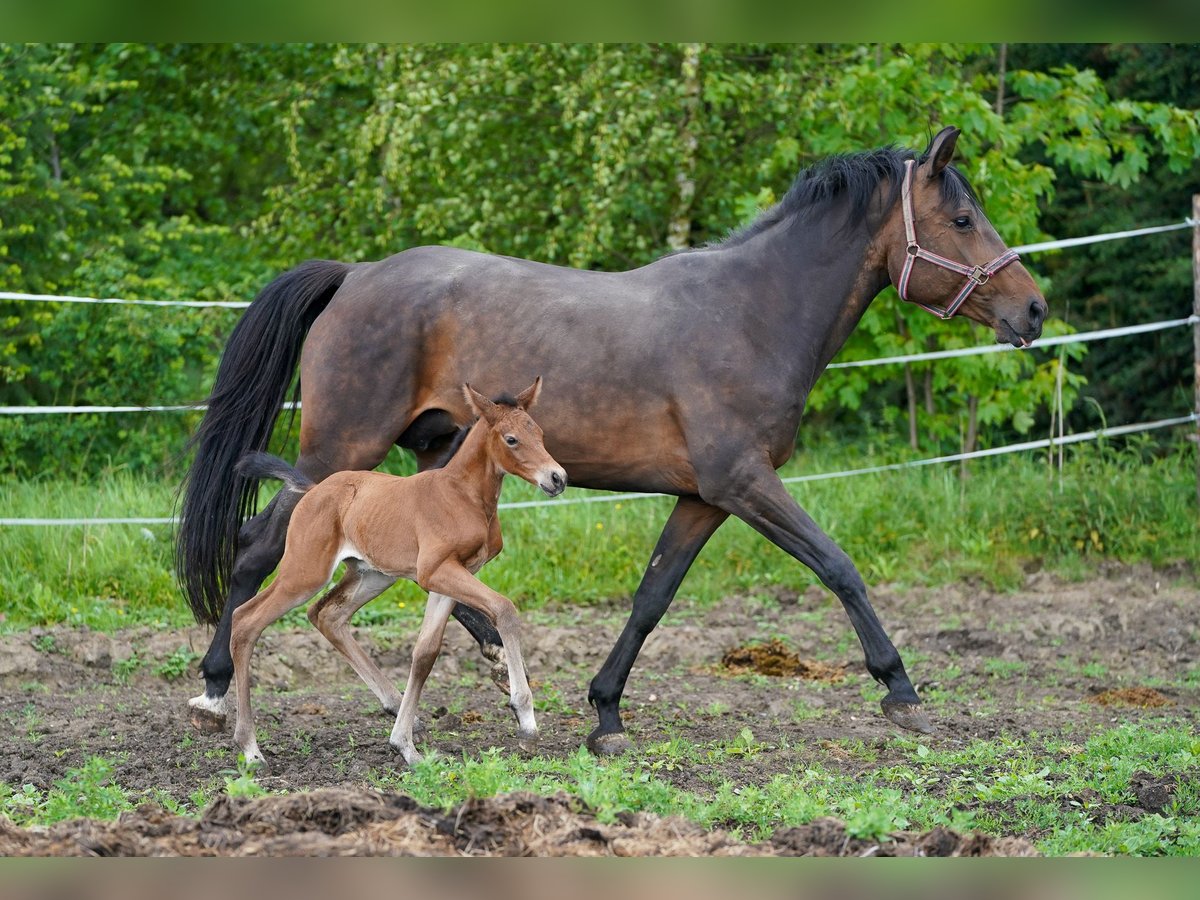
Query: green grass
x=1052, y=792
x=1123, y=501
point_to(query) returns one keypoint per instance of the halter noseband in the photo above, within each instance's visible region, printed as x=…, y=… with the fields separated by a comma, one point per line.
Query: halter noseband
x=976, y=275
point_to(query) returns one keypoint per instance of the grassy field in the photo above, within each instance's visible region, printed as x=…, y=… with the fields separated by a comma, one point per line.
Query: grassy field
x=921, y=526
x=1005, y=787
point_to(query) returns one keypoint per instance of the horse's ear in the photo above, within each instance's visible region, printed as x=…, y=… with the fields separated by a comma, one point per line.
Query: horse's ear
x=480, y=405
x=529, y=396
x=941, y=150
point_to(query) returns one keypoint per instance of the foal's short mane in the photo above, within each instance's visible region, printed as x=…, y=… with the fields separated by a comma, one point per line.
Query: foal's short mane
x=456, y=441
x=851, y=179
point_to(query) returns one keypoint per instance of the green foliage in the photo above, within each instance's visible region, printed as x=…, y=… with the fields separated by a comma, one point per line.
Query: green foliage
x=242, y=783
x=86, y=792
x=198, y=171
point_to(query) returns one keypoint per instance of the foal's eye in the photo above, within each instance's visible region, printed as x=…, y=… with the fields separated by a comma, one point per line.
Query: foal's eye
x=510, y=440
x=963, y=222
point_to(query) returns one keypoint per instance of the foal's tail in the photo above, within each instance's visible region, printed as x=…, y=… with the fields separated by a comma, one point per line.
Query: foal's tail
x=263, y=465
x=251, y=386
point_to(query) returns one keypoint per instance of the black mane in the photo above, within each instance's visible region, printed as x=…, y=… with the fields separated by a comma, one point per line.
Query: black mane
x=853, y=179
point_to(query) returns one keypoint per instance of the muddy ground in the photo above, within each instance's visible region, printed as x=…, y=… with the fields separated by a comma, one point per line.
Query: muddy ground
x=1053, y=658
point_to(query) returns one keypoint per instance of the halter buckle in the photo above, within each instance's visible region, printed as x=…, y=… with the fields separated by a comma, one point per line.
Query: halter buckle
x=979, y=275
x=913, y=249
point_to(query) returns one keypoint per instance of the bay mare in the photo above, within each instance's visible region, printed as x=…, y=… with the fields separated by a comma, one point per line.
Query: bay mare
x=687, y=376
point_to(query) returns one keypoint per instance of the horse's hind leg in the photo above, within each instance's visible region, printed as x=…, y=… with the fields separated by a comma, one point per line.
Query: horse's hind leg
x=260, y=547
x=425, y=652
x=331, y=616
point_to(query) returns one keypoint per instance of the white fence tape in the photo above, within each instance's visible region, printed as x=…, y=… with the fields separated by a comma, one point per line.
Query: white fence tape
x=50, y=410
x=1114, y=431
x=242, y=304
x=1097, y=238
x=62, y=298
x=1081, y=337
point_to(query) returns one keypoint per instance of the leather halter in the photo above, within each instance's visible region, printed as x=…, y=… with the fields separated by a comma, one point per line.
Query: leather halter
x=976, y=275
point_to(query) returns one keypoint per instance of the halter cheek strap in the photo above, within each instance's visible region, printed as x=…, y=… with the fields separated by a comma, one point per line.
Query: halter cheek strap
x=975, y=275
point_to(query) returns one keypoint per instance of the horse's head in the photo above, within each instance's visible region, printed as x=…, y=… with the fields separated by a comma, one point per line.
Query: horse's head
x=514, y=440
x=944, y=255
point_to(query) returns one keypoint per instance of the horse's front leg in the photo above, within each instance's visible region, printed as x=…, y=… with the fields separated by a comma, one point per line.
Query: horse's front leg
x=755, y=494
x=689, y=527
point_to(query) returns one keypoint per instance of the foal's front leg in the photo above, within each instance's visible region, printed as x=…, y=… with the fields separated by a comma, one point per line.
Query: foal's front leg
x=455, y=580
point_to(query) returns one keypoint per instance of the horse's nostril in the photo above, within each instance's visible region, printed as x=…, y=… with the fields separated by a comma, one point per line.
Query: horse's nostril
x=1037, y=311
x=557, y=480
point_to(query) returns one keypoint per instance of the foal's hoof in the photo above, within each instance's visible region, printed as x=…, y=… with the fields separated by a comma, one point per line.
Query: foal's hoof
x=257, y=767
x=499, y=675
x=908, y=715
x=528, y=743
x=613, y=743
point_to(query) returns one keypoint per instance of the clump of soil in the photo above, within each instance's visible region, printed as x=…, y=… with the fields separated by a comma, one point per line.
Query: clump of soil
x=360, y=822
x=775, y=659
x=1142, y=697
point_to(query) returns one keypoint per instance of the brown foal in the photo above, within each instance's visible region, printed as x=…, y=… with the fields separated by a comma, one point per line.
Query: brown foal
x=436, y=528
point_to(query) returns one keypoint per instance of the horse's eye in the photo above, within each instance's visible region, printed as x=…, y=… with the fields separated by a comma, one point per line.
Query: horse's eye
x=510, y=440
x=963, y=222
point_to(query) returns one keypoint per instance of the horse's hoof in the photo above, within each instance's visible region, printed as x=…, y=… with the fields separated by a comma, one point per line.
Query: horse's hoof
x=614, y=743
x=206, y=721
x=908, y=715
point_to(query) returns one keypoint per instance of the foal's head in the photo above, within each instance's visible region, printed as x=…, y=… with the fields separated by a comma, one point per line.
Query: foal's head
x=514, y=440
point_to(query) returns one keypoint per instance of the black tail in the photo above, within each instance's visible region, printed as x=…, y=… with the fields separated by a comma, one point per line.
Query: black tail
x=251, y=386
x=257, y=465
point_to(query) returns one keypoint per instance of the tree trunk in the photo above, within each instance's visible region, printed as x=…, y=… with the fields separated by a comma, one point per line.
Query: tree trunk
x=680, y=229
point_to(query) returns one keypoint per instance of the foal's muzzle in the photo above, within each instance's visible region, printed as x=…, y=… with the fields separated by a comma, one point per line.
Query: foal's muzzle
x=553, y=482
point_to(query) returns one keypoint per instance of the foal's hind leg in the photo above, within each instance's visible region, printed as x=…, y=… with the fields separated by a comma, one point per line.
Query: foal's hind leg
x=260, y=547
x=331, y=616
x=284, y=594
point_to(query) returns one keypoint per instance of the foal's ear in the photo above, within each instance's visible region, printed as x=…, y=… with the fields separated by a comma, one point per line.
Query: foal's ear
x=480, y=405
x=941, y=150
x=529, y=396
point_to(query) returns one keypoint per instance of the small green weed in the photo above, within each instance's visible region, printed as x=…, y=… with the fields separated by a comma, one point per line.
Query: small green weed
x=177, y=664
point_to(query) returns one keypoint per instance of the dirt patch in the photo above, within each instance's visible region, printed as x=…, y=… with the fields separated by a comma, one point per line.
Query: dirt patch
x=775, y=659
x=1142, y=697
x=990, y=666
x=336, y=822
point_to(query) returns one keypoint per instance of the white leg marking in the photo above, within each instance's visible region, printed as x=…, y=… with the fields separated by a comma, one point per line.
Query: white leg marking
x=214, y=705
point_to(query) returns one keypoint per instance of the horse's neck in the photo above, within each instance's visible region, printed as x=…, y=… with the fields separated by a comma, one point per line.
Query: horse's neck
x=822, y=282
x=472, y=468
